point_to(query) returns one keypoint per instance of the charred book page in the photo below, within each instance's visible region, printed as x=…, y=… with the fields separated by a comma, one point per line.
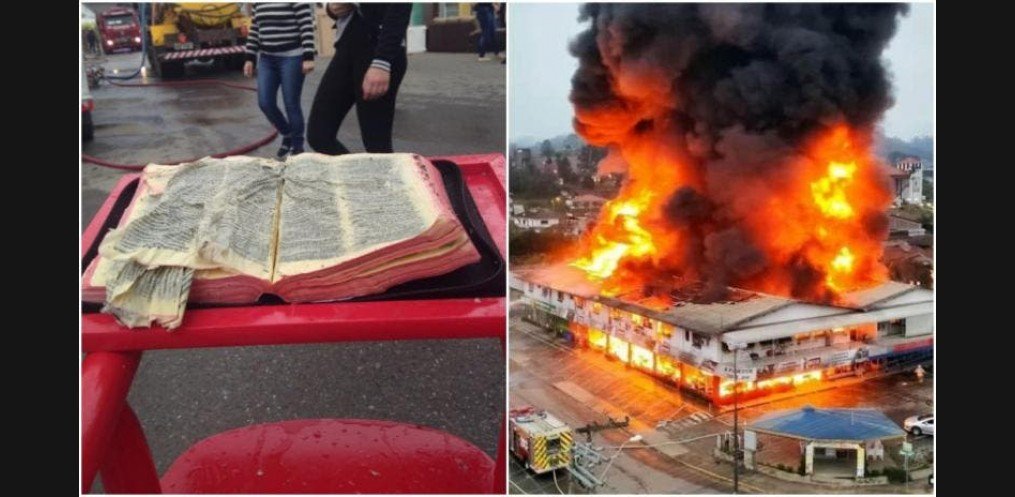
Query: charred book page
x=361, y=223
x=208, y=220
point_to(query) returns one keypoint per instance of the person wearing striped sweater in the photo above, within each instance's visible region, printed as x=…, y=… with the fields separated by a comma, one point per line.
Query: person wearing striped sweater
x=281, y=45
x=366, y=71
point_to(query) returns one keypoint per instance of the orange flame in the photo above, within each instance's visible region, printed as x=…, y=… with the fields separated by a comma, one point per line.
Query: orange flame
x=627, y=239
x=820, y=232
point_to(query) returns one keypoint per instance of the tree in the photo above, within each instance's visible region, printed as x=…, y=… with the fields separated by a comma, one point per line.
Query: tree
x=564, y=170
x=546, y=148
x=588, y=159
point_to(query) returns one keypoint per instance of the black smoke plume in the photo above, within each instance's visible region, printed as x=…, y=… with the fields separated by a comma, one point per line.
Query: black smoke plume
x=739, y=88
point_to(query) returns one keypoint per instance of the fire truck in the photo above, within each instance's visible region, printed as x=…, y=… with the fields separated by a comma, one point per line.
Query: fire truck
x=180, y=32
x=119, y=28
x=539, y=440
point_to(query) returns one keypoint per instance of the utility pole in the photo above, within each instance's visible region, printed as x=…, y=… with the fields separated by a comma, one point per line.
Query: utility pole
x=736, y=420
x=636, y=438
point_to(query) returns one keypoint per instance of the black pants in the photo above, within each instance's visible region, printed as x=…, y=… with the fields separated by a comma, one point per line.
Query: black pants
x=342, y=86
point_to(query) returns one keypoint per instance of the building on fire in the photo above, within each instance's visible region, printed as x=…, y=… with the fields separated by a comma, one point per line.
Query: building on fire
x=781, y=343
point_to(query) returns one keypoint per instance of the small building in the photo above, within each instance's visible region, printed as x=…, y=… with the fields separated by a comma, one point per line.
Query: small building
x=517, y=208
x=536, y=221
x=451, y=27
x=907, y=178
x=899, y=227
x=521, y=158
x=829, y=443
x=586, y=202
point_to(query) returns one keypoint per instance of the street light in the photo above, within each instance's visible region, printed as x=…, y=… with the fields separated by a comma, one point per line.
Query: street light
x=735, y=347
x=634, y=439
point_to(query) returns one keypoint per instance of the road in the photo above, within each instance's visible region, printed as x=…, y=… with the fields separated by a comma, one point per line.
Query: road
x=449, y=104
x=581, y=386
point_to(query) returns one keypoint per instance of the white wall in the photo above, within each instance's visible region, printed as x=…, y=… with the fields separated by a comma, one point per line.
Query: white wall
x=921, y=324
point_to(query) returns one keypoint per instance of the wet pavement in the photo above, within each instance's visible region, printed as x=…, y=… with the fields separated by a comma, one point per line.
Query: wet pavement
x=580, y=386
x=448, y=104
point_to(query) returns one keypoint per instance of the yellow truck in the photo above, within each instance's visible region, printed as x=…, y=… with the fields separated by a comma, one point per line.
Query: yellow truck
x=180, y=32
x=539, y=440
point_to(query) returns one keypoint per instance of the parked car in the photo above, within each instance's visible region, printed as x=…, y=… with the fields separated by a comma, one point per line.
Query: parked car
x=919, y=425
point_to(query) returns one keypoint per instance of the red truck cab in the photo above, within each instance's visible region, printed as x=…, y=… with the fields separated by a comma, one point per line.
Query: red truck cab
x=120, y=28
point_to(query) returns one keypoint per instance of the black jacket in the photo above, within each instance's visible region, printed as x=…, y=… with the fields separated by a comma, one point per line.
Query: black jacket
x=387, y=23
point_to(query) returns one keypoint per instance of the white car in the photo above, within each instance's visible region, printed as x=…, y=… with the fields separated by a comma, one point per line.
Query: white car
x=920, y=425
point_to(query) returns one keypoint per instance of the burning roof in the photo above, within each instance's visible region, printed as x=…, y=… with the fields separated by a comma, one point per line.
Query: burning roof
x=677, y=305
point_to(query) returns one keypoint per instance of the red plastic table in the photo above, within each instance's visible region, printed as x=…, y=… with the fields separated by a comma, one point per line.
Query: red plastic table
x=305, y=456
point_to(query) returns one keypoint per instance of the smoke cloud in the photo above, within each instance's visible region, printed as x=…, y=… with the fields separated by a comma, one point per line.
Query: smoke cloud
x=731, y=95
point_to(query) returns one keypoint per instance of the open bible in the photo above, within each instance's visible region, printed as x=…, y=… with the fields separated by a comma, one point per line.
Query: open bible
x=314, y=228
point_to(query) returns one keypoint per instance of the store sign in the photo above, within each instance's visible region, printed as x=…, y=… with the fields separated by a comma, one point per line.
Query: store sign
x=750, y=440
x=841, y=357
x=743, y=373
x=785, y=367
x=543, y=306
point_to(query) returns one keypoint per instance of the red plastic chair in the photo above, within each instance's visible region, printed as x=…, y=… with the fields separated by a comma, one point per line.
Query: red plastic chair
x=297, y=456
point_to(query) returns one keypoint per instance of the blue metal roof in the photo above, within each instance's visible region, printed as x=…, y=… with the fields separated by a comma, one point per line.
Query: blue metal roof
x=829, y=424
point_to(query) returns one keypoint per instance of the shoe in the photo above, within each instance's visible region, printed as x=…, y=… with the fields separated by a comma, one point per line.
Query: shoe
x=296, y=151
x=284, y=150
x=485, y=58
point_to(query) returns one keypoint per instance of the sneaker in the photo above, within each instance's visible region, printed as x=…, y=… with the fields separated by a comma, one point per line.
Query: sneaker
x=485, y=58
x=284, y=150
x=296, y=151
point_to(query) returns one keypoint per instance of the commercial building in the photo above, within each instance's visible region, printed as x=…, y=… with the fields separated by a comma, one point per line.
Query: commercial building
x=781, y=343
x=907, y=178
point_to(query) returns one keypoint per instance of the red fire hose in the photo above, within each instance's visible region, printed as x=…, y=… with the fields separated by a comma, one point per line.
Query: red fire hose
x=196, y=82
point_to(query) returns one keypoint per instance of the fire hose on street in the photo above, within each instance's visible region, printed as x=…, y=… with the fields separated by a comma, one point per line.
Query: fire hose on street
x=195, y=82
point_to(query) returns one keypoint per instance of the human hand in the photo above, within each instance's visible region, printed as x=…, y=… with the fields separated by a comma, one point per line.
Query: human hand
x=339, y=10
x=375, y=83
x=308, y=65
x=248, y=69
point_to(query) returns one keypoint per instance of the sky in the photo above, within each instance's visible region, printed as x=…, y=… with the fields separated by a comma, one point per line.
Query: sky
x=541, y=69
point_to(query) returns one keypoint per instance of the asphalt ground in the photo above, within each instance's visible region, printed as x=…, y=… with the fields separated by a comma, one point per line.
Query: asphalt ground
x=448, y=104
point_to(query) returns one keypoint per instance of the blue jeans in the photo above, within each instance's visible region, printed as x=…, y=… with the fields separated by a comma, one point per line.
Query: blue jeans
x=287, y=72
x=487, y=29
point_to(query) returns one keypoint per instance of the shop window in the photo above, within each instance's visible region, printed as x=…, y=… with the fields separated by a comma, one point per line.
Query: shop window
x=895, y=327
x=560, y=296
x=448, y=10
